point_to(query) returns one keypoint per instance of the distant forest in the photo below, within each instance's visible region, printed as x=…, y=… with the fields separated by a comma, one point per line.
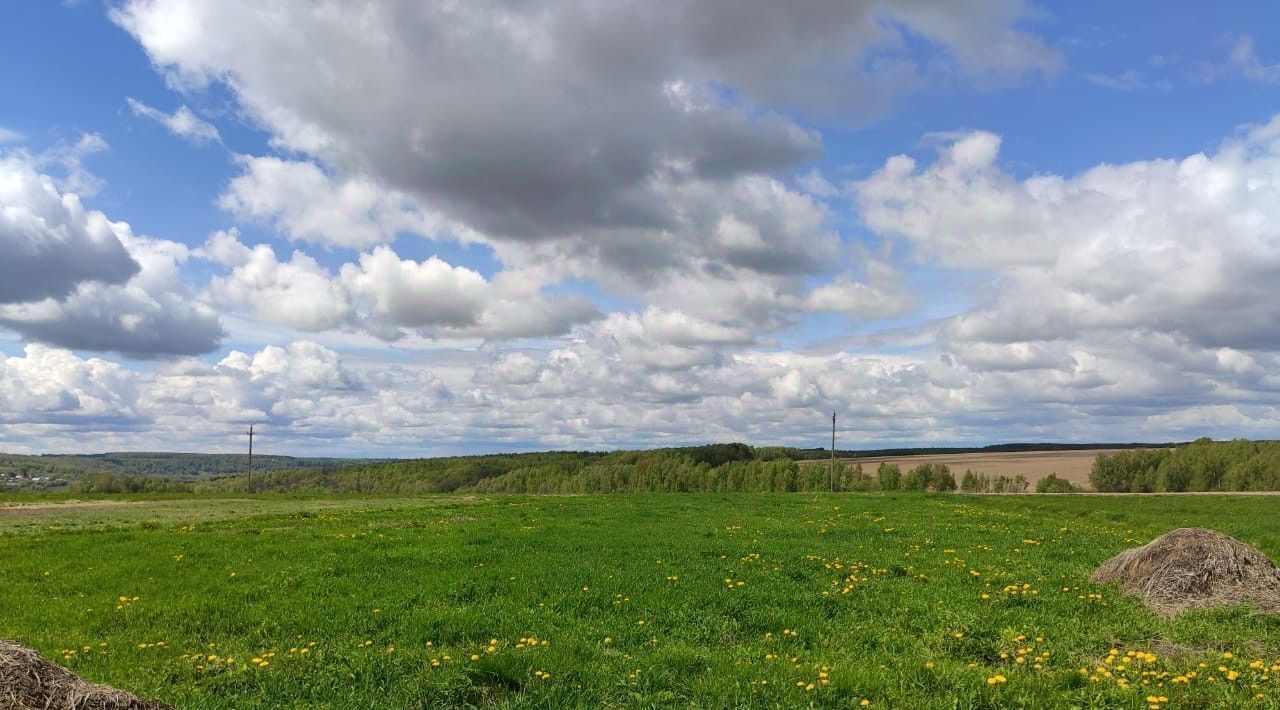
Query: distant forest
x=172, y=466
x=714, y=467
x=1203, y=465
x=811, y=454
x=733, y=467
x=188, y=467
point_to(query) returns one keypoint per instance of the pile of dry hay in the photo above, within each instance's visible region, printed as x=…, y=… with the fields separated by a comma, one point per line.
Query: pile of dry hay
x=30, y=682
x=1195, y=568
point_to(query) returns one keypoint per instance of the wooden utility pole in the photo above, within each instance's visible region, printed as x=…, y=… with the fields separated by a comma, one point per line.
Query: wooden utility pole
x=250, y=458
x=833, y=452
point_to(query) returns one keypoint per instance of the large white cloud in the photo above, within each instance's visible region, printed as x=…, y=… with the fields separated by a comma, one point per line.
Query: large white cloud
x=49, y=241
x=614, y=386
x=882, y=295
x=270, y=386
x=648, y=152
x=153, y=314
x=386, y=295
x=417, y=294
x=300, y=395
x=737, y=253
x=74, y=278
x=51, y=386
x=1187, y=247
x=305, y=203
x=633, y=145
x=300, y=292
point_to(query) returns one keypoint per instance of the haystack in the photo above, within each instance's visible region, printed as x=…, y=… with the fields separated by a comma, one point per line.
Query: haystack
x=1195, y=568
x=30, y=682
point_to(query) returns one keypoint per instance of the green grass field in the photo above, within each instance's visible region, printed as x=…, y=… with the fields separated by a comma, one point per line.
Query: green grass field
x=707, y=601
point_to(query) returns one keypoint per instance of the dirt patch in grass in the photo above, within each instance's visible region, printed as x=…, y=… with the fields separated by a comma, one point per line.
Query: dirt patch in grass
x=42, y=509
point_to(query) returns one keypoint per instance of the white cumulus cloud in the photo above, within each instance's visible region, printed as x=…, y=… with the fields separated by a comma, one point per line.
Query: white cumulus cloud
x=306, y=203
x=385, y=295
x=153, y=314
x=1182, y=246
x=183, y=122
x=50, y=242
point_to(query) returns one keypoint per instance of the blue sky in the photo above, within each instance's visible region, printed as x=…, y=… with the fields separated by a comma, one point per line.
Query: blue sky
x=739, y=255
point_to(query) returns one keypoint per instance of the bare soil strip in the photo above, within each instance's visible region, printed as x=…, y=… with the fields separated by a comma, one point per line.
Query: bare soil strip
x=38, y=509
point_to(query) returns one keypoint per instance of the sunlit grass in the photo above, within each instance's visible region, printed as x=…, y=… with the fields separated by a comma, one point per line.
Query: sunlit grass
x=623, y=601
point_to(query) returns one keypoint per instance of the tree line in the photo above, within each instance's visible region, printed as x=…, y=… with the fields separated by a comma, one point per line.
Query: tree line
x=118, y=483
x=715, y=468
x=175, y=466
x=1202, y=465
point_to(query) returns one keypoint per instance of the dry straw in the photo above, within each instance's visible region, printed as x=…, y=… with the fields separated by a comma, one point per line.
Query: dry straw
x=31, y=682
x=1195, y=568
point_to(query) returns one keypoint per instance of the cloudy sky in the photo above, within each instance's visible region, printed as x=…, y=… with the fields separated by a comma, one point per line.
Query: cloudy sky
x=406, y=228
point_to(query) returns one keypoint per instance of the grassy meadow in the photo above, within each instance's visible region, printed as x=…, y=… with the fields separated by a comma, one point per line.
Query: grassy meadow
x=661, y=600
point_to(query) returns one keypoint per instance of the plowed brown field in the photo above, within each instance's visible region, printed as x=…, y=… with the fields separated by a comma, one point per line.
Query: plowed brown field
x=1071, y=465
